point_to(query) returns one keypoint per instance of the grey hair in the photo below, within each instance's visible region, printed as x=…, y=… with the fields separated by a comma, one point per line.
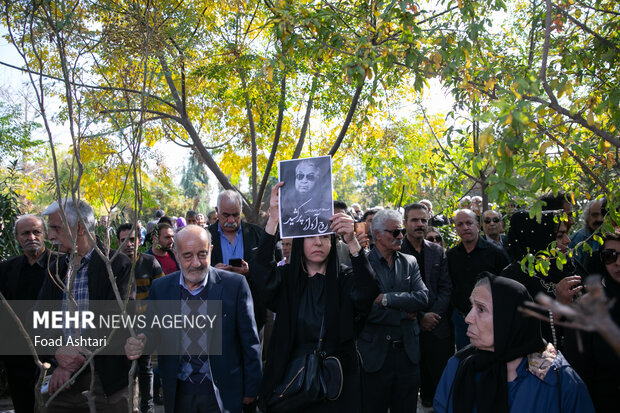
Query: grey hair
x=483, y=281
x=492, y=210
x=426, y=201
x=586, y=210
x=71, y=212
x=379, y=222
x=312, y=163
x=19, y=218
x=229, y=194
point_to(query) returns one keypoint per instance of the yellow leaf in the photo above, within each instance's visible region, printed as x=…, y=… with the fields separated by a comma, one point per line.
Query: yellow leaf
x=508, y=119
x=543, y=148
x=489, y=84
x=486, y=137
x=270, y=74
x=590, y=118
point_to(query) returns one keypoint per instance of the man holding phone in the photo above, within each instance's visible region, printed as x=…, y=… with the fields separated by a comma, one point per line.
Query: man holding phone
x=235, y=244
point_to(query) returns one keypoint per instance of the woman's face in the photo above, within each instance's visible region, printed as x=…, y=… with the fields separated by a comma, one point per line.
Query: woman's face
x=435, y=237
x=316, y=249
x=480, y=319
x=561, y=239
x=611, y=261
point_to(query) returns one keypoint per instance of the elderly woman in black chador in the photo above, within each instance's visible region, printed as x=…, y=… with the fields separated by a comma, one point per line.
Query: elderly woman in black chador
x=527, y=235
x=314, y=289
x=508, y=367
x=599, y=364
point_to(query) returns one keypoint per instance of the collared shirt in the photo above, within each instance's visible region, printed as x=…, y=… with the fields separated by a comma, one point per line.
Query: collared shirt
x=79, y=290
x=195, y=291
x=229, y=250
x=465, y=267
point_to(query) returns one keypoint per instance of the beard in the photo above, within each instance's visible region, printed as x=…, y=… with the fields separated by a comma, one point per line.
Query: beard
x=33, y=247
x=196, y=275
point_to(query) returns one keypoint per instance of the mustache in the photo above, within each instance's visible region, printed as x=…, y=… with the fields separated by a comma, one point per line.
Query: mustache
x=198, y=268
x=397, y=242
x=230, y=225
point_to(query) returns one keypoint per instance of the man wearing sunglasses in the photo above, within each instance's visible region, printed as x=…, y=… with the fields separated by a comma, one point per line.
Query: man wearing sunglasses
x=493, y=226
x=388, y=344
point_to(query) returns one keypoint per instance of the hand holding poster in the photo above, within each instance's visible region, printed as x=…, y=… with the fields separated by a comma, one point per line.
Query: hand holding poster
x=306, y=202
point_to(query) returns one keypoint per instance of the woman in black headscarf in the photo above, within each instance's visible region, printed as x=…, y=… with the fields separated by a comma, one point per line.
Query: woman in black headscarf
x=313, y=287
x=563, y=279
x=508, y=367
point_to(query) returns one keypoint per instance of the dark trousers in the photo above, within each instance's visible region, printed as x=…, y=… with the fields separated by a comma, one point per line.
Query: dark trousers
x=145, y=383
x=73, y=400
x=187, y=400
x=434, y=354
x=22, y=375
x=395, y=386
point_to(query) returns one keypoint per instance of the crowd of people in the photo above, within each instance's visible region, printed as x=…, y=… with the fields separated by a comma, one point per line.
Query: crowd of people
x=406, y=314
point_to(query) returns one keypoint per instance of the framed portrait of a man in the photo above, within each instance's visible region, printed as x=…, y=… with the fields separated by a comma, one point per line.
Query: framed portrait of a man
x=306, y=199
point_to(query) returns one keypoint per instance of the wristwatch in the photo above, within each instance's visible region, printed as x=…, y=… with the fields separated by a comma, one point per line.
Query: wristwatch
x=384, y=300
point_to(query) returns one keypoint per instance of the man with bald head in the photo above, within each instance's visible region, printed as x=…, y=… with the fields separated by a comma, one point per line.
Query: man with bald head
x=194, y=381
x=21, y=278
x=466, y=260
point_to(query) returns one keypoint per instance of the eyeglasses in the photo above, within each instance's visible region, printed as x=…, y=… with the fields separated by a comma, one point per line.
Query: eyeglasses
x=309, y=177
x=494, y=219
x=396, y=232
x=609, y=256
x=434, y=239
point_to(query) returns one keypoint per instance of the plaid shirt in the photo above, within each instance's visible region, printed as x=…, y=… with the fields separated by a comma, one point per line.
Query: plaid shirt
x=79, y=291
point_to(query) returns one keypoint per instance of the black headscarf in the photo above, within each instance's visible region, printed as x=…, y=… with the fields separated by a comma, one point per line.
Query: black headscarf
x=515, y=335
x=526, y=232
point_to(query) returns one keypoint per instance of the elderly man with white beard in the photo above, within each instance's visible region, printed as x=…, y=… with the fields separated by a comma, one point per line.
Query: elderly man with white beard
x=194, y=380
x=389, y=344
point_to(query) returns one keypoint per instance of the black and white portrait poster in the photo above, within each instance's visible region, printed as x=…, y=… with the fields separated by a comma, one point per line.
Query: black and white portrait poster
x=306, y=201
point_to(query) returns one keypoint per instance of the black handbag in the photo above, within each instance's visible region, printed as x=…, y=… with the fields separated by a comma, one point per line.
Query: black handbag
x=309, y=379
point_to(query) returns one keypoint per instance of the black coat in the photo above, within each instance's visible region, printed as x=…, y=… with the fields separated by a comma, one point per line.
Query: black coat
x=350, y=294
x=252, y=235
x=112, y=370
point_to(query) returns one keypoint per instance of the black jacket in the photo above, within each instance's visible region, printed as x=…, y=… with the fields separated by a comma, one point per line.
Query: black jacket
x=252, y=235
x=112, y=370
x=350, y=294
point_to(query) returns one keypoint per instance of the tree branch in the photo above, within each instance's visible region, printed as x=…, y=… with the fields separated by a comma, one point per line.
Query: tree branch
x=274, y=147
x=304, y=127
x=347, y=120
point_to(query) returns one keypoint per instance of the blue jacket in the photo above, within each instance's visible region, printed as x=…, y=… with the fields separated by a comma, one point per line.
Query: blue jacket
x=237, y=371
x=528, y=393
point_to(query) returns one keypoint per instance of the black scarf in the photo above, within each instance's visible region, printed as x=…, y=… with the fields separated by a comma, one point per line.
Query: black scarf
x=528, y=234
x=515, y=335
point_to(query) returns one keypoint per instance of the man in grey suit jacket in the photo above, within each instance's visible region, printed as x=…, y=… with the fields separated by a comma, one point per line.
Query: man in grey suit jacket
x=436, y=338
x=388, y=344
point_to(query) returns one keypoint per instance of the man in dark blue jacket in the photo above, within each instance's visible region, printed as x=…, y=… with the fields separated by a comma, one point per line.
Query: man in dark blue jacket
x=193, y=379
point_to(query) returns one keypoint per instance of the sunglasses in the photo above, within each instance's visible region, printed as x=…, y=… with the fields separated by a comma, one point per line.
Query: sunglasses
x=494, y=219
x=609, y=256
x=434, y=239
x=396, y=232
x=309, y=177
